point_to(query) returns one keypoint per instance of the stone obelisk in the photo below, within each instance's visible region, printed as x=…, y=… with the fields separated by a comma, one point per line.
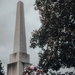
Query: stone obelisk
x=19, y=59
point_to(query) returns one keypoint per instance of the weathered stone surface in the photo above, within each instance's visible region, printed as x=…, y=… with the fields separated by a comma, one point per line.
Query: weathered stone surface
x=20, y=37
x=19, y=59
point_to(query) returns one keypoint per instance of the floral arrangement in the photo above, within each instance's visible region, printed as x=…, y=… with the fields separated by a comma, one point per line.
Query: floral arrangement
x=32, y=70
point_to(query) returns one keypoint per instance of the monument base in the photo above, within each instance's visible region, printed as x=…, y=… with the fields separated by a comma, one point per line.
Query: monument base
x=16, y=68
x=18, y=61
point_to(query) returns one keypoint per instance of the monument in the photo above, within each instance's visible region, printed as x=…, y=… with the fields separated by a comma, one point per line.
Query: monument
x=19, y=59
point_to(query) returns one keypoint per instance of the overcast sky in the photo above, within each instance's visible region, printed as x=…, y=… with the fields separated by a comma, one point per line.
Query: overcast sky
x=7, y=28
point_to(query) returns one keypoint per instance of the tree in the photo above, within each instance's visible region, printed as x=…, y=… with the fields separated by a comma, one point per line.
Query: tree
x=1, y=69
x=56, y=36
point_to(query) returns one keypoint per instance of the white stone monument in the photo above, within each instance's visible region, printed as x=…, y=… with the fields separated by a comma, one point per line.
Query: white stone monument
x=19, y=59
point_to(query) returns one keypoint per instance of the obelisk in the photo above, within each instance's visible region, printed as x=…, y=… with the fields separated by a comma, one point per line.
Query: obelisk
x=19, y=59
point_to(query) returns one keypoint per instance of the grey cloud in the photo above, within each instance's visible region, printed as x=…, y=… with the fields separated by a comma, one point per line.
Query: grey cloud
x=7, y=28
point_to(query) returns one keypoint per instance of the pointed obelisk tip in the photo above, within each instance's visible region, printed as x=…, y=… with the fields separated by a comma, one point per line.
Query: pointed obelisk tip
x=19, y=2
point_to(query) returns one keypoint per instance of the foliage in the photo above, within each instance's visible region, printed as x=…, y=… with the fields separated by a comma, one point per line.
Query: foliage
x=56, y=36
x=1, y=69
